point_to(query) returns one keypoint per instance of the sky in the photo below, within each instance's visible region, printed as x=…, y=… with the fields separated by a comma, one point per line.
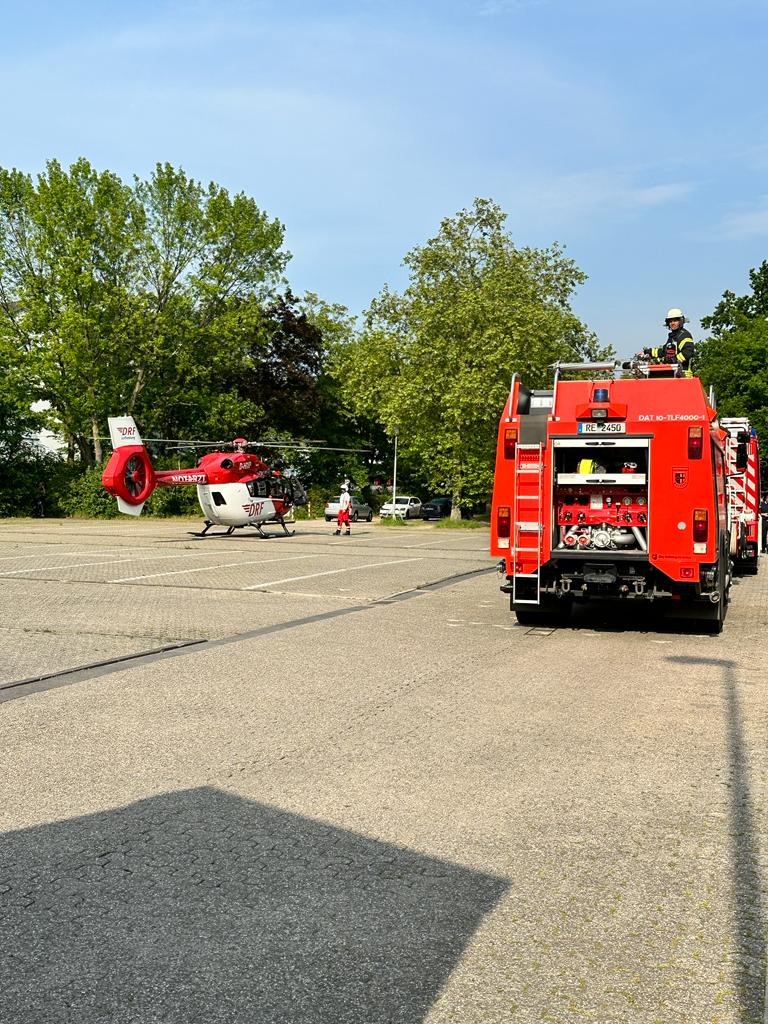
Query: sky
x=632, y=132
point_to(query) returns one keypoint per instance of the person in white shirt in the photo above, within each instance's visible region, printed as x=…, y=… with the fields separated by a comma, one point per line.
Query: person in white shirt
x=342, y=518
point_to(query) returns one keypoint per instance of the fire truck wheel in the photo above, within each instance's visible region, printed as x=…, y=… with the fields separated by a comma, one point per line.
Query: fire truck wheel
x=745, y=566
x=711, y=617
x=711, y=620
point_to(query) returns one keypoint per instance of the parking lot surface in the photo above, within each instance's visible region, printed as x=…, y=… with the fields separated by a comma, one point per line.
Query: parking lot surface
x=320, y=779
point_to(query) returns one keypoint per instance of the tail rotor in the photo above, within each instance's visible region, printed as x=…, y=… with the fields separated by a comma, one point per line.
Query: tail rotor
x=129, y=475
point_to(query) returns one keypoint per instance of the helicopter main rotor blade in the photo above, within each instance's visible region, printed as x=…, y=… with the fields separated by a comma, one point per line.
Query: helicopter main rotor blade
x=305, y=445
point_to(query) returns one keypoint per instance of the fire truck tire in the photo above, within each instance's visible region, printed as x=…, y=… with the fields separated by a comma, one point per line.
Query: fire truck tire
x=711, y=617
x=746, y=566
x=550, y=613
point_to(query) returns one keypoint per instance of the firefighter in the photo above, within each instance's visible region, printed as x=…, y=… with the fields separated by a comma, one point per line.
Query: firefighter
x=678, y=348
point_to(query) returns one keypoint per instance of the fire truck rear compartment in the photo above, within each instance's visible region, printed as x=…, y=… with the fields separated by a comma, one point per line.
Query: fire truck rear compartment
x=600, y=491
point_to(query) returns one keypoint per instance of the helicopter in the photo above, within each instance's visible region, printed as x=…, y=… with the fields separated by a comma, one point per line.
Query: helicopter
x=235, y=488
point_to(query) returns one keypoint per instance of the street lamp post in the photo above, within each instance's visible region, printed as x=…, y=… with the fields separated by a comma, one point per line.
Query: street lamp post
x=394, y=480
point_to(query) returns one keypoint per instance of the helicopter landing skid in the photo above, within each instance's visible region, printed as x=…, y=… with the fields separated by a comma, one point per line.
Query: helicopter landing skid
x=231, y=529
x=280, y=521
x=206, y=527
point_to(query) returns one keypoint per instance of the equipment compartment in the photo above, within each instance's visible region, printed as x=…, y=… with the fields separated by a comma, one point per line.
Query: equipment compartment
x=601, y=495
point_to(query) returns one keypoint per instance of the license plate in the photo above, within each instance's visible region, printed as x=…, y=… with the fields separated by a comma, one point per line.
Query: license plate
x=602, y=428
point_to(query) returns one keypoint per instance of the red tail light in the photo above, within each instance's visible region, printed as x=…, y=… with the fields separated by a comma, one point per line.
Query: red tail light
x=503, y=521
x=700, y=525
x=695, y=442
x=510, y=442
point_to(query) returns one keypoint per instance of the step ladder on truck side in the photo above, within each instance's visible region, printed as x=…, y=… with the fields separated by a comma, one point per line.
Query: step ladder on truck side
x=527, y=525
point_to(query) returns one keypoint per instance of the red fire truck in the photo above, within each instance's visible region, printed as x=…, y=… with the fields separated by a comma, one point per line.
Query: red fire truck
x=612, y=489
x=742, y=463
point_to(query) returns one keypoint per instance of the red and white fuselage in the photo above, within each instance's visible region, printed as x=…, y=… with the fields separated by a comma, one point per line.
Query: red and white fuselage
x=234, y=488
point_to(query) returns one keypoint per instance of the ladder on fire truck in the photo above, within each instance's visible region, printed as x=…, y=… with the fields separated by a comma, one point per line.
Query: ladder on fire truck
x=527, y=526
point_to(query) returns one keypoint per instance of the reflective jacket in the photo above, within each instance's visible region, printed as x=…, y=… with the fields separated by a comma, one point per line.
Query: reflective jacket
x=682, y=340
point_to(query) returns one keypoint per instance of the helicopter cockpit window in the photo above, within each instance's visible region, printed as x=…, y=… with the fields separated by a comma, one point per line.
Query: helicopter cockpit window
x=276, y=487
x=258, y=488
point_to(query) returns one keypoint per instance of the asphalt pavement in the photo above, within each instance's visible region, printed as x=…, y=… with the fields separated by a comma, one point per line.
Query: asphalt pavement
x=327, y=780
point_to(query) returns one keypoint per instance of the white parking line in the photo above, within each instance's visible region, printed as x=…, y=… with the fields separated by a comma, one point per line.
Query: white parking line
x=329, y=572
x=77, y=565
x=61, y=554
x=203, y=568
x=18, y=558
x=108, y=561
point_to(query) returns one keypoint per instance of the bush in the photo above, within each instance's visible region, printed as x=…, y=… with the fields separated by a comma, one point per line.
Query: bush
x=461, y=524
x=377, y=499
x=316, y=497
x=86, y=497
x=32, y=480
x=173, y=501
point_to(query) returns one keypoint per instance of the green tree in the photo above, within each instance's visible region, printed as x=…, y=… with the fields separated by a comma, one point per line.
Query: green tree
x=733, y=310
x=286, y=358
x=132, y=298
x=64, y=249
x=734, y=359
x=208, y=263
x=434, y=363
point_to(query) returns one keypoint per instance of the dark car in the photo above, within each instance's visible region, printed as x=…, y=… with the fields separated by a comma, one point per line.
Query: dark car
x=436, y=508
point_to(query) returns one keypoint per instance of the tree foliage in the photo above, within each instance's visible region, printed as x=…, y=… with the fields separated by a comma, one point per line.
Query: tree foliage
x=132, y=298
x=286, y=358
x=434, y=363
x=734, y=360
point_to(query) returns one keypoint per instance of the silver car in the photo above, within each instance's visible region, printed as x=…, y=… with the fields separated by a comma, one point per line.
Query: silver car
x=357, y=510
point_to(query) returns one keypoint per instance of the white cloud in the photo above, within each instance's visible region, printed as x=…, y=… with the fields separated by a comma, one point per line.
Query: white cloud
x=603, y=191
x=748, y=223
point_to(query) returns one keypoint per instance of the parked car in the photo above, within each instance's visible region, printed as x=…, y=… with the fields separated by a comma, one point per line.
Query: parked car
x=406, y=507
x=357, y=510
x=436, y=508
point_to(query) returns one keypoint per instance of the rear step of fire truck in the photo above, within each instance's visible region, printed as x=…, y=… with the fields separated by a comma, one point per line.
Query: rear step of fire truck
x=527, y=524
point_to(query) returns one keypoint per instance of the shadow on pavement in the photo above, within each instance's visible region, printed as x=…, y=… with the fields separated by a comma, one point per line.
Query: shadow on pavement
x=203, y=906
x=747, y=883
x=632, y=616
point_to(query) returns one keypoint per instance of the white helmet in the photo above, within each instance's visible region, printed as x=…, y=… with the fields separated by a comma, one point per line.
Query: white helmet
x=344, y=487
x=674, y=314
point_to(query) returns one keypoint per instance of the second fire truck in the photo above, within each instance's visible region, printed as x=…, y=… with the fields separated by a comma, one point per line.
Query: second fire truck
x=614, y=489
x=742, y=462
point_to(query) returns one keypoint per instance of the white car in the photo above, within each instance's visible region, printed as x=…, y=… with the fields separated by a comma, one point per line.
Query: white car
x=406, y=507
